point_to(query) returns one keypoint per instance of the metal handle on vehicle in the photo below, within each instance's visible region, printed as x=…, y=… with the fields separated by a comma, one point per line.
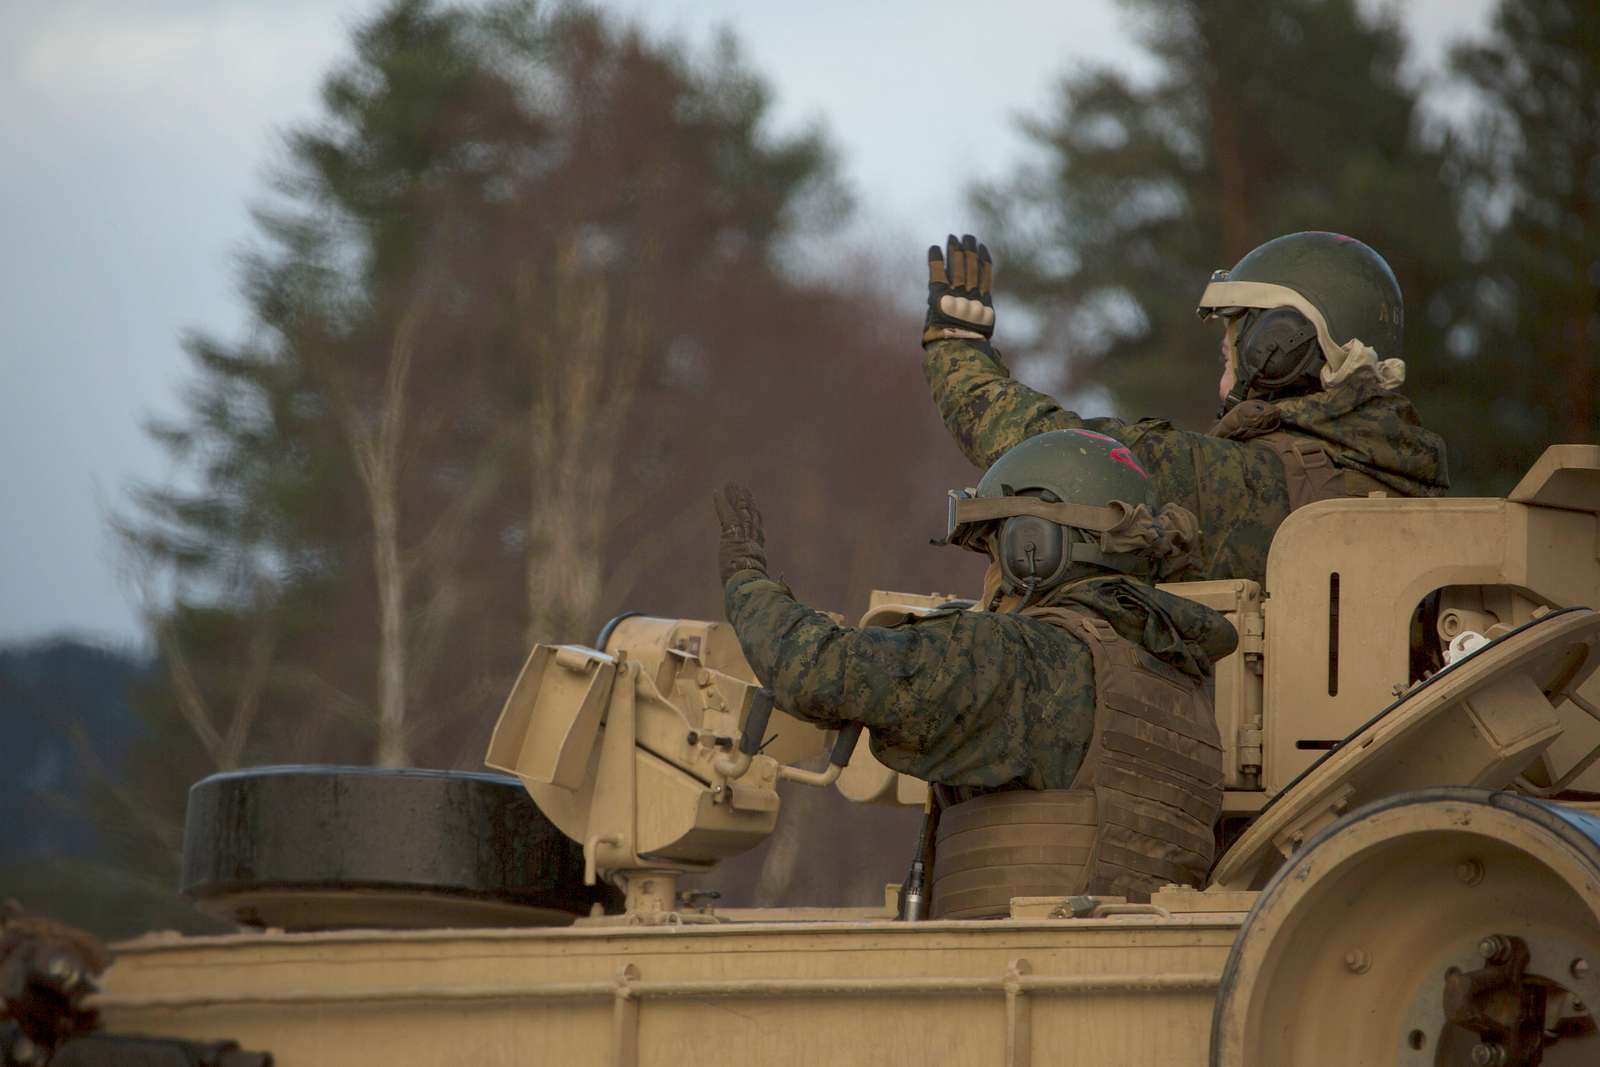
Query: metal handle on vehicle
x=845, y=744
x=755, y=722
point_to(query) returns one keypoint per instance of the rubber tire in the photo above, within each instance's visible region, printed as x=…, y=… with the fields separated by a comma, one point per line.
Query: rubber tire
x=424, y=847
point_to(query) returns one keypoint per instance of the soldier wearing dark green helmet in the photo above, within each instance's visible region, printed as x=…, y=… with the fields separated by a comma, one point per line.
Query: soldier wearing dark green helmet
x=1030, y=552
x=1310, y=408
x=1033, y=689
x=1304, y=312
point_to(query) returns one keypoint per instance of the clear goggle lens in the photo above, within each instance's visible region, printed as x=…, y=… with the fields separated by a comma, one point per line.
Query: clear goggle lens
x=961, y=533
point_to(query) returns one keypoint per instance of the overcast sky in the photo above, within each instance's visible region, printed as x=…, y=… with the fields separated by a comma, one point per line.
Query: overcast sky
x=134, y=137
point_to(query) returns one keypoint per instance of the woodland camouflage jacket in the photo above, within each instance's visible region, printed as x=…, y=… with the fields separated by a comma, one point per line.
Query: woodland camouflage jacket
x=979, y=701
x=1235, y=488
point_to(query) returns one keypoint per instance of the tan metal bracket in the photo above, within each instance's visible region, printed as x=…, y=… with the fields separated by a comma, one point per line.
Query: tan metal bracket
x=1019, y=1016
x=625, y=1018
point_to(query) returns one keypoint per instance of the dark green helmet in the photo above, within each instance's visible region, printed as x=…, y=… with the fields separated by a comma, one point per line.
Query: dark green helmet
x=1072, y=466
x=1047, y=495
x=1344, y=287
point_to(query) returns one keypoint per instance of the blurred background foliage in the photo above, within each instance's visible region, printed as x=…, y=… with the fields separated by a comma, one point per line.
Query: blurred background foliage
x=527, y=290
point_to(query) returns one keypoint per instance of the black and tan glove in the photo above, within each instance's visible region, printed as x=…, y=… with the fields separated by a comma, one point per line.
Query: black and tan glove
x=960, y=304
x=743, y=545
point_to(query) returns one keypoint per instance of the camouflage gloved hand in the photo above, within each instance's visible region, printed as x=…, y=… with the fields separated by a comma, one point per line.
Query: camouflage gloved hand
x=743, y=544
x=959, y=300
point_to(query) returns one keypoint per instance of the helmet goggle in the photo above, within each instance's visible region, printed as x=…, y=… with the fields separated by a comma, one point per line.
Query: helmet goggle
x=958, y=532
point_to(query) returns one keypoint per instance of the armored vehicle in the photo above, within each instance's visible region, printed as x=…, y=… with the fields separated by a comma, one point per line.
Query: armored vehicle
x=1410, y=871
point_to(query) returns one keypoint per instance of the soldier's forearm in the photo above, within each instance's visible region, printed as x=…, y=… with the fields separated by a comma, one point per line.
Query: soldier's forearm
x=793, y=649
x=986, y=410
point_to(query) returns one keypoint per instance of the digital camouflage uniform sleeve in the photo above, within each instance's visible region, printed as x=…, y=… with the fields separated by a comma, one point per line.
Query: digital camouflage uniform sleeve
x=969, y=699
x=987, y=411
x=1237, y=491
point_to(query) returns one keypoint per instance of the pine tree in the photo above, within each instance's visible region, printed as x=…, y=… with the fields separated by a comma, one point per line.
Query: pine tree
x=457, y=292
x=1258, y=121
x=1528, y=348
x=519, y=301
x=319, y=467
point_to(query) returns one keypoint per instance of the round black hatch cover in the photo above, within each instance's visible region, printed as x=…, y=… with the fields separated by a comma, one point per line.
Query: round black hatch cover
x=320, y=847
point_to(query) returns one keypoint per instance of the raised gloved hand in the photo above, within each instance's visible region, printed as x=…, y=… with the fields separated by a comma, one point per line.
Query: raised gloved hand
x=959, y=300
x=744, y=546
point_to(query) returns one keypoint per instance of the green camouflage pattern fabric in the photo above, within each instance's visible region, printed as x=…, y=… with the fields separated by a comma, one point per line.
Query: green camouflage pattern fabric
x=976, y=700
x=1235, y=488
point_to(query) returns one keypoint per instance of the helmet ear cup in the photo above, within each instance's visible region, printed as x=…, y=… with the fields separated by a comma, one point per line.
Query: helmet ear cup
x=1276, y=348
x=1032, y=551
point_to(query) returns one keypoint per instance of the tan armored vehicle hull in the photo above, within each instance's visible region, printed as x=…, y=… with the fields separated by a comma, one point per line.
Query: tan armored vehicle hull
x=1412, y=877
x=1354, y=979
x=867, y=992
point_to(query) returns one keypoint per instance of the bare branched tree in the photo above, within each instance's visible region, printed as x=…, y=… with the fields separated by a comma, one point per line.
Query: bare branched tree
x=585, y=359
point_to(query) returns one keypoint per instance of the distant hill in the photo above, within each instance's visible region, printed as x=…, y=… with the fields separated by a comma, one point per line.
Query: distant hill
x=63, y=703
x=65, y=721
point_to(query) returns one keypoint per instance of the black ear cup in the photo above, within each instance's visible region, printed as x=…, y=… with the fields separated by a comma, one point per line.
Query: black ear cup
x=1277, y=348
x=1033, y=551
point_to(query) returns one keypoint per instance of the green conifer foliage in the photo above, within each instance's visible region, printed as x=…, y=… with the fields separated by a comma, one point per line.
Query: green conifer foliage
x=1528, y=351
x=473, y=258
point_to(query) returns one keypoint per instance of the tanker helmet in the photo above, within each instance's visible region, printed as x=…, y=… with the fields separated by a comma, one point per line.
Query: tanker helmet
x=1302, y=287
x=1039, y=510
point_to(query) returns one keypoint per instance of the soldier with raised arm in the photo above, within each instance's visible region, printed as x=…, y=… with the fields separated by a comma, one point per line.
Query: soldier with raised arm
x=1309, y=389
x=1081, y=683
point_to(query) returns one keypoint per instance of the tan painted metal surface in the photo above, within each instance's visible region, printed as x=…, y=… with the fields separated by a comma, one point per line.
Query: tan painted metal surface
x=1477, y=726
x=1349, y=574
x=1005, y=992
x=1347, y=959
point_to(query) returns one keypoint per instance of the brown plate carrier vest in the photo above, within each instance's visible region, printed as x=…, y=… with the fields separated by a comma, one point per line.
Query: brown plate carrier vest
x=1138, y=815
x=1309, y=471
x=1310, y=474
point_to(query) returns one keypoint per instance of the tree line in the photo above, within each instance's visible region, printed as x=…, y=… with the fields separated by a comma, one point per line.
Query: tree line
x=523, y=294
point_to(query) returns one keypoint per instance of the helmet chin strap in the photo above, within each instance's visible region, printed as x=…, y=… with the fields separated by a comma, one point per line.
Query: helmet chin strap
x=1234, y=398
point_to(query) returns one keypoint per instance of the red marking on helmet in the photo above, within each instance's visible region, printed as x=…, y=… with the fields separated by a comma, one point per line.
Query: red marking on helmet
x=1096, y=436
x=1123, y=456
